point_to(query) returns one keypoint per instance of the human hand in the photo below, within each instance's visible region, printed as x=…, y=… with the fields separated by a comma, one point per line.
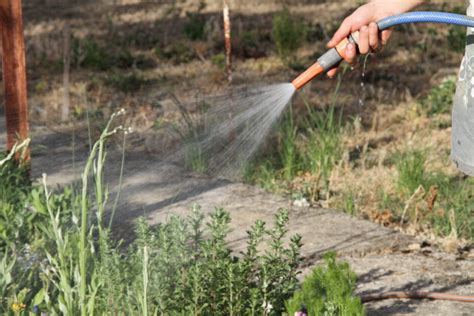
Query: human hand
x=364, y=20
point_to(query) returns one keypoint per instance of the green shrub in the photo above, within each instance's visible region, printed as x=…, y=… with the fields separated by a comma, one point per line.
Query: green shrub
x=288, y=33
x=440, y=98
x=219, y=60
x=94, y=56
x=126, y=82
x=249, y=40
x=328, y=290
x=178, y=52
x=195, y=27
x=457, y=38
x=88, y=53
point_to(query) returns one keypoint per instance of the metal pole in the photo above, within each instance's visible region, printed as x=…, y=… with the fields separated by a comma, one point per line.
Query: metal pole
x=14, y=72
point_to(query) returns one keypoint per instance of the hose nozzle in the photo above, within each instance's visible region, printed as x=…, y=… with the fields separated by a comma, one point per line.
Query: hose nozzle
x=326, y=62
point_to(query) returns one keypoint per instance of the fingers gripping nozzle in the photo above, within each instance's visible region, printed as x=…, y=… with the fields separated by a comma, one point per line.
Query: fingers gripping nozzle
x=335, y=55
x=328, y=60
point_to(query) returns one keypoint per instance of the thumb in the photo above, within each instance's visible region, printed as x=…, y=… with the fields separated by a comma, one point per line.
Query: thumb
x=343, y=31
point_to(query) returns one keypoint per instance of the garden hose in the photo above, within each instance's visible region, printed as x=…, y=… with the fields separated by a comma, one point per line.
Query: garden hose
x=335, y=55
x=416, y=295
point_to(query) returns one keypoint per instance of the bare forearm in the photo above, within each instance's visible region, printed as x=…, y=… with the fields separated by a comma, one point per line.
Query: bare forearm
x=364, y=20
x=396, y=7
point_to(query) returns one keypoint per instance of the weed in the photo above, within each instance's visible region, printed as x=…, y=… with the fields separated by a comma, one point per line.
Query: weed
x=387, y=201
x=324, y=144
x=454, y=213
x=263, y=174
x=219, y=61
x=329, y=290
x=190, y=133
x=288, y=33
x=411, y=171
x=88, y=53
x=444, y=203
x=195, y=27
x=457, y=38
x=348, y=203
x=440, y=98
x=309, y=149
x=127, y=83
x=178, y=53
x=289, y=153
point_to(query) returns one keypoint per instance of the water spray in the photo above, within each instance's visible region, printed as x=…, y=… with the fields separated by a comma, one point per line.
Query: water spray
x=334, y=56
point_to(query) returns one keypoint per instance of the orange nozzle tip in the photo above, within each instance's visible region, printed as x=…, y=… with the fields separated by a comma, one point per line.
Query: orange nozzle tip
x=310, y=73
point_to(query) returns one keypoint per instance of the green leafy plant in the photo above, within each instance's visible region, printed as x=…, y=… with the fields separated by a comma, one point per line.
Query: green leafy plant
x=219, y=61
x=288, y=33
x=195, y=27
x=177, y=52
x=328, y=290
x=457, y=38
x=127, y=82
x=89, y=53
x=440, y=98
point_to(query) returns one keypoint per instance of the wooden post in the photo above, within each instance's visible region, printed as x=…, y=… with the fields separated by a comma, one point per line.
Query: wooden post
x=66, y=70
x=228, y=41
x=14, y=72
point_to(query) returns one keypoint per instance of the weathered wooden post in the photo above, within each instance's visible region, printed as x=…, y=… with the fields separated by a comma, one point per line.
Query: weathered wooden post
x=14, y=72
x=228, y=40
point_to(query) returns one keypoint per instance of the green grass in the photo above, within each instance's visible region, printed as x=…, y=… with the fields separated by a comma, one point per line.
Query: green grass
x=191, y=134
x=324, y=144
x=130, y=82
x=195, y=27
x=453, y=209
x=440, y=98
x=410, y=166
x=88, y=53
x=457, y=38
x=455, y=206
